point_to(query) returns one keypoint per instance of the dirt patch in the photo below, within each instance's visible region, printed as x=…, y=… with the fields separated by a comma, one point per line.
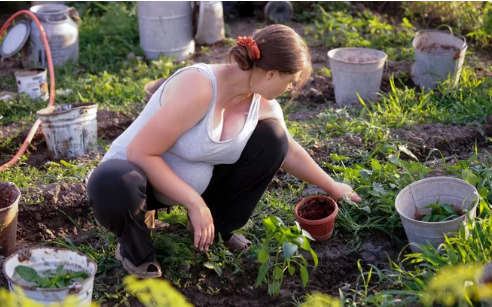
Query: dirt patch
x=398, y=70
x=317, y=90
x=111, y=124
x=337, y=269
x=51, y=211
x=449, y=139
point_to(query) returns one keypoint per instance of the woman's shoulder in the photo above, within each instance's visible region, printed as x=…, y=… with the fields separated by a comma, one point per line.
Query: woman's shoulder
x=190, y=84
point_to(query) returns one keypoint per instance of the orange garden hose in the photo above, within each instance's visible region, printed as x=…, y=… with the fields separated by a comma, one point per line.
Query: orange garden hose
x=51, y=101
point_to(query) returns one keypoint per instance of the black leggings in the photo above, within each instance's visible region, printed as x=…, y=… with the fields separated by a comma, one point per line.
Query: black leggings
x=120, y=196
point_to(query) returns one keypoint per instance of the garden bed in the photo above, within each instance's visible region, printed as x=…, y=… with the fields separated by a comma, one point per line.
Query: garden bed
x=356, y=144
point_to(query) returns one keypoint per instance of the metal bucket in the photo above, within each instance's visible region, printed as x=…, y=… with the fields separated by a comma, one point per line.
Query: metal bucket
x=210, y=26
x=437, y=56
x=415, y=197
x=70, y=130
x=42, y=259
x=356, y=71
x=165, y=28
x=9, y=208
x=62, y=33
x=32, y=82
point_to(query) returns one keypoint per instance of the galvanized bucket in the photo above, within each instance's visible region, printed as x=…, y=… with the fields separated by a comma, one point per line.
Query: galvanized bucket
x=9, y=208
x=165, y=28
x=356, y=71
x=43, y=259
x=210, y=26
x=437, y=55
x=32, y=82
x=415, y=197
x=70, y=130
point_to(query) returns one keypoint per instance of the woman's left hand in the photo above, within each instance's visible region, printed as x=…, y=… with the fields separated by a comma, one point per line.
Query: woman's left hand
x=342, y=189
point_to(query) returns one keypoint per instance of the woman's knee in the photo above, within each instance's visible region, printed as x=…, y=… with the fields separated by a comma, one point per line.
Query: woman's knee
x=116, y=187
x=270, y=136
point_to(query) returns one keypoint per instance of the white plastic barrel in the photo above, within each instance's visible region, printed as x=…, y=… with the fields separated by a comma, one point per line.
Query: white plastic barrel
x=417, y=196
x=49, y=258
x=356, y=71
x=70, y=130
x=210, y=25
x=165, y=28
x=437, y=56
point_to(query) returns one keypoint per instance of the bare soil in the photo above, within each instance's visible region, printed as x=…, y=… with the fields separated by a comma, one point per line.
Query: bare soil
x=448, y=139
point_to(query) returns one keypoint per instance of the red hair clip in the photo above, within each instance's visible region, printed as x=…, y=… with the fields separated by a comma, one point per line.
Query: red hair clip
x=250, y=44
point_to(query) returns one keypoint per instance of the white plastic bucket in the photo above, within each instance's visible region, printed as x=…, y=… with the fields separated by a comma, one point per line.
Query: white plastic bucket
x=417, y=196
x=210, y=26
x=437, y=55
x=165, y=28
x=356, y=71
x=32, y=82
x=70, y=130
x=49, y=258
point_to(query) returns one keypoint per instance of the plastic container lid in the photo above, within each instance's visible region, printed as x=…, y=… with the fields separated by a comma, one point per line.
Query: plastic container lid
x=15, y=39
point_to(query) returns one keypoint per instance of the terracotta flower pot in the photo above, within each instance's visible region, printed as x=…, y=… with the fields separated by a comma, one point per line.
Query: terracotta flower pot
x=316, y=214
x=9, y=204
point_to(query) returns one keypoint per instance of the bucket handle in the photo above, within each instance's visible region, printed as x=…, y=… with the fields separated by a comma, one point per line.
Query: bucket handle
x=448, y=27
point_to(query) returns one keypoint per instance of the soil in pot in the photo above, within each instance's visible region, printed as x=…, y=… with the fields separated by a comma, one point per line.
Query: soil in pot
x=316, y=209
x=7, y=195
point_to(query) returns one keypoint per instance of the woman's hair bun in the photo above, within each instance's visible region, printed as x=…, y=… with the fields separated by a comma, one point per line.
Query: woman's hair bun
x=241, y=56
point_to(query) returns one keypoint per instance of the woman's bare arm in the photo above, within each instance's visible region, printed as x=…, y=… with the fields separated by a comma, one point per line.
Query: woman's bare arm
x=186, y=100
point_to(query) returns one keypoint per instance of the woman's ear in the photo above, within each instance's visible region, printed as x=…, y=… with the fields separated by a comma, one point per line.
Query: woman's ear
x=270, y=74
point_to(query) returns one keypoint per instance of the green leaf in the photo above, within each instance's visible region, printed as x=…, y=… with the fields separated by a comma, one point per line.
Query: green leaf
x=263, y=256
x=291, y=268
x=304, y=275
x=289, y=249
x=27, y=273
x=262, y=271
x=278, y=273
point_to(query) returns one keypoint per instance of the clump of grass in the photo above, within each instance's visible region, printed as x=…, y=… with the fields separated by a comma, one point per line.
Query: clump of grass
x=341, y=29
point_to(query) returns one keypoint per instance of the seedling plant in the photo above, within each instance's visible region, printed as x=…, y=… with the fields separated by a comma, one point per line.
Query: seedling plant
x=58, y=279
x=279, y=253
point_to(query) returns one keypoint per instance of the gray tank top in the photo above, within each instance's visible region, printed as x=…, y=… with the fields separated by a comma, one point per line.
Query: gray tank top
x=195, y=152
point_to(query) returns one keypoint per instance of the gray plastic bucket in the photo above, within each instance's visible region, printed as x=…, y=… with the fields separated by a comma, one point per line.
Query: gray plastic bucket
x=356, y=70
x=437, y=55
x=165, y=28
x=70, y=130
x=48, y=258
x=418, y=195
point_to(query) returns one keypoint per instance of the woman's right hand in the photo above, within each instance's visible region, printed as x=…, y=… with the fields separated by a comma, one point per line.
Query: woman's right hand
x=203, y=226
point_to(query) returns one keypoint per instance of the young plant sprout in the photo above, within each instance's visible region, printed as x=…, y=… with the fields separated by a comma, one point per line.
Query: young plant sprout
x=49, y=279
x=439, y=213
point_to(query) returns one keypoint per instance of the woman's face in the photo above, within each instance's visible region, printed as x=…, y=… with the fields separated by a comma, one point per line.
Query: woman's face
x=273, y=83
